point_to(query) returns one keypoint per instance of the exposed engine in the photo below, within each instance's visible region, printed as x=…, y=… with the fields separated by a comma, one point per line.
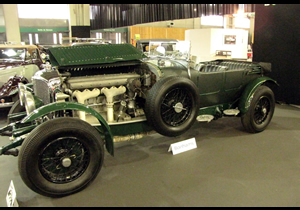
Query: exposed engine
x=117, y=97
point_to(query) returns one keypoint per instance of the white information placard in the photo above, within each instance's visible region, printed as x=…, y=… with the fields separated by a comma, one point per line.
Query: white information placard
x=183, y=146
x=11, y=196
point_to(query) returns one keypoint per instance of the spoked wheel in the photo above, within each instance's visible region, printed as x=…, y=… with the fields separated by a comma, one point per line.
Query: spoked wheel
x=261, y=110
x=172, y=105
x=61, y=157
x=176, y=107
x=64, y=160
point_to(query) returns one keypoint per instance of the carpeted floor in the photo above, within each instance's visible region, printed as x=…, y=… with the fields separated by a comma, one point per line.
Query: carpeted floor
x=229, y=167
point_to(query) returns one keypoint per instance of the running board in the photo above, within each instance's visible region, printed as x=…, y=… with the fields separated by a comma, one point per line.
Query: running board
x=231, y=112
x=208, y=118
x=205, y=118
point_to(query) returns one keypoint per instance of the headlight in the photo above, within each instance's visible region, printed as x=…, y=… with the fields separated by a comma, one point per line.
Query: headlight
x=22, y=89
x=29, y=102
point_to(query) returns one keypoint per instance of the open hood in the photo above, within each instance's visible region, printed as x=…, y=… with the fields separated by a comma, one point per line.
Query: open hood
x=93, y=54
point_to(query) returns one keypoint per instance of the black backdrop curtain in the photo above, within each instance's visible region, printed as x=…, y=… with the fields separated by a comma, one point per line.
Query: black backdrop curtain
x=276, y=40
x=119, y=15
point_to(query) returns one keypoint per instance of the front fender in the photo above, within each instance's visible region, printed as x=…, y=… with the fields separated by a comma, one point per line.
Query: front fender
x=104, y=128
x=249, y=91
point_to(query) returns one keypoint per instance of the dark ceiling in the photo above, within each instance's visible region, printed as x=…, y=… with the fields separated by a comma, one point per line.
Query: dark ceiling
x=119, y=15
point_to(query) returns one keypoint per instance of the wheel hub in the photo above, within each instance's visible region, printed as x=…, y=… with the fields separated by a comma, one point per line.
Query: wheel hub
x=264, y=111
x=178, y=107
x=66, y=162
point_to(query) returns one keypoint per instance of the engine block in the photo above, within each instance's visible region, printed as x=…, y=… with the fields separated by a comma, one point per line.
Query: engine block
x=98, y=81
x=117, y=97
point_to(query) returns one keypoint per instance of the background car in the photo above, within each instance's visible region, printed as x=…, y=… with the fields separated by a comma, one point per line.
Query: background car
x=92, y=95
x=18, y=63
x=144, y=44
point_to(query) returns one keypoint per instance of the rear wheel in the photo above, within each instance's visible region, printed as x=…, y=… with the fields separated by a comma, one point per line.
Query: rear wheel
x=261, y=110
x=61, y=157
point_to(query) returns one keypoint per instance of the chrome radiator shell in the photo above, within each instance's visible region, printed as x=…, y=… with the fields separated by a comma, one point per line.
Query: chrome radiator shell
x=42, y=86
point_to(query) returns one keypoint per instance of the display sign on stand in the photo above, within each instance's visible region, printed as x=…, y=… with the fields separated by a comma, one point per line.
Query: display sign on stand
x=183, y=146
x=11, y=196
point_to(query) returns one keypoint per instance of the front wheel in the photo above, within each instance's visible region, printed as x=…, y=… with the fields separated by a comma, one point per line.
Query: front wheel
x=261, y=110
x=61, y=157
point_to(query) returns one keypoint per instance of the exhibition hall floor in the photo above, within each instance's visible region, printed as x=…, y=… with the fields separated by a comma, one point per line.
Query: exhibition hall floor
x=229, y=167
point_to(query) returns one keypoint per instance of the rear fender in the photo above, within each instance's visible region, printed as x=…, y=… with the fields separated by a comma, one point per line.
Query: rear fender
x=103, y=129
x=249, y=91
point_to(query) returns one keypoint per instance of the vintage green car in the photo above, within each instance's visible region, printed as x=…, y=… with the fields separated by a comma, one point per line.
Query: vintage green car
x=92, y=96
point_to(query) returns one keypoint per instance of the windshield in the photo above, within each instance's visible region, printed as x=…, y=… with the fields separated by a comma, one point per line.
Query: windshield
x=173, y=50
x=169, y=64
x=16, y=54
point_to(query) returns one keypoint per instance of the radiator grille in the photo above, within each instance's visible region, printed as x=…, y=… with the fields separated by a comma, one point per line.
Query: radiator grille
x=41, y=90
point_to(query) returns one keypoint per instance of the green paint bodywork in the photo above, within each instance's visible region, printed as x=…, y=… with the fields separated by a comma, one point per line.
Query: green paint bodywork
x=219, y=90
x=130, y=128
x=44, y=110
x=215, y=110
x=93, y=54
x=17, y=142
x=121, y=129
x=249, y=91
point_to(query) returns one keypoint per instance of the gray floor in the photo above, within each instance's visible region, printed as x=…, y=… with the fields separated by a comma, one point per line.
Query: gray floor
x=229, y=168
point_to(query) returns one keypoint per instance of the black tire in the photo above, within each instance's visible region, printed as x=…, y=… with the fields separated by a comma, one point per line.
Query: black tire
x=61, y=157
x=261, y=110
x=16, y=108
x=172, y=105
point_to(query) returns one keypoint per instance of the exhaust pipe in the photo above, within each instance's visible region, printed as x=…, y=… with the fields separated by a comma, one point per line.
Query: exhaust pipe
x=84, y=95
x=110, y=93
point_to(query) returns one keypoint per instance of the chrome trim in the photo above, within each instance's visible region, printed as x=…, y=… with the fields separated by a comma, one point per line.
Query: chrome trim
x=29, y=102
x=22, y=89
x=6, y=105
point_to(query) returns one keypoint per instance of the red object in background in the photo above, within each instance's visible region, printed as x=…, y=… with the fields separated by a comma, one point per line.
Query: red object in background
x=11, y=85
x=249, y=55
